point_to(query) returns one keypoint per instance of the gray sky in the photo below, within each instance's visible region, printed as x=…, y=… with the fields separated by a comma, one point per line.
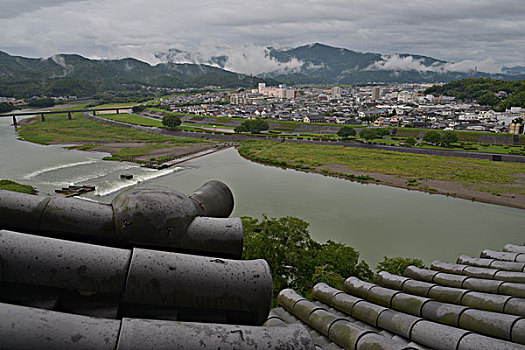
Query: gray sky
x=488, y=33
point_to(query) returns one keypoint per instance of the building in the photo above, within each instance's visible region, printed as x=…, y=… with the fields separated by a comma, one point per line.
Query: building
x=313, y=118
x=376, y=93
x=279, y=92
x=336, y=92
x=239, y=99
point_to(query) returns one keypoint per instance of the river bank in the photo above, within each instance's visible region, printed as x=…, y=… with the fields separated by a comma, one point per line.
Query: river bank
x=376, y=220
x=500, y=183
x=124, y=144
x=472, y=181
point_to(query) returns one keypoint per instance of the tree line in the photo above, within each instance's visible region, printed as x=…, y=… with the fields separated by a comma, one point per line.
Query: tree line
x=499, y=94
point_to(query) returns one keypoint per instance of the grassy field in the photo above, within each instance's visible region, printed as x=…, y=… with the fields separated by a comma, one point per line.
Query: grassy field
x=111, y=105
x=145, y=121
x=482, y=175
x=134, y=119
x=9, y=185
x=57, y=128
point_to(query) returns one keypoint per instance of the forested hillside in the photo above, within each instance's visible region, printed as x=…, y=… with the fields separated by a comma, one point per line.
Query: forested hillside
x=499, y=94
x=76, y=75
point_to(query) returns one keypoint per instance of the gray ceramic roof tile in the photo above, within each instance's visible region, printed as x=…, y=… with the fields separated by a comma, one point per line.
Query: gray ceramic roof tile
x=417, y=287
x=489, y=323
x=473, y=341
x=442, y=312
x=514, y=248
x=505, y=256
x=388, y=280
x=420, y=274
x=447, y=294
x=515, y=306
x=425, y=309
x=151, y=216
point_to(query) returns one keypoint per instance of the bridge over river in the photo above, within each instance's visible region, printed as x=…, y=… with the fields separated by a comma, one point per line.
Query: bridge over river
x=69, y=112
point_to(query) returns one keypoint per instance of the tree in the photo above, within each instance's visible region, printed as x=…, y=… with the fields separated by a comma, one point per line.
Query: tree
x=6, y=107
x=410, y=141
x=488, y=99
x=138, y=108
x=397, y=265
x=171, y=121
x=41, y=102
x=295, y=259
x=382, y=132
x=346, y=131
x=254, y=126
x=368, y=134
x=448, y=138
x=432, y=136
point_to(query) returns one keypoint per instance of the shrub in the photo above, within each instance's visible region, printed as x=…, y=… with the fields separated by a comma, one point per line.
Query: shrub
x=432, y=136
x=397, y=265
x=254, y=126
x=138, y=108
x=171, y=121
x=411, y=141
x=346, y=131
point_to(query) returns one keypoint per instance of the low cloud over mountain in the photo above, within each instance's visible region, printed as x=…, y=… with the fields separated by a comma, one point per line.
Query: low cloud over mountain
x=318, y=63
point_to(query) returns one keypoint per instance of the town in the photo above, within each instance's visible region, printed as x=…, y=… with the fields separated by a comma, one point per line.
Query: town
x=397, y=105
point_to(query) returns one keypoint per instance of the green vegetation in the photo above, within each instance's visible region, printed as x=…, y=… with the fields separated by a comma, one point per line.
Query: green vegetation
x=57, y=128
x=171, y=121
x=346, y=131
x=295, y=259
x=9, y=185
x=133, y=119
x=410, y=141
x=298, y=262
x=254, y=126
x=138, y=108
x=480, y=175
x=130, y=154
x=398, y=265
x=41, y=102
x=432, y=137
x=370, y=134
x=445, y=139
x=108, y=80
x=448, y=138
x=6, y=107
x=485, y=91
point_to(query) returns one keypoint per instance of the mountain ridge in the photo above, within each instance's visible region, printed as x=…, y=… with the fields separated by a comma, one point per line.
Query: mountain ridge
x=115, y=74
x=325, y=64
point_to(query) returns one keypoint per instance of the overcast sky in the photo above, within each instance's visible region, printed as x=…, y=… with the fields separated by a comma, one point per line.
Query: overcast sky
x=488, y=32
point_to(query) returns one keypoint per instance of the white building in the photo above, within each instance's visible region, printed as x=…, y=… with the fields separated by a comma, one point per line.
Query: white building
x=336, y=92
x=280, y=92
x=406, y=97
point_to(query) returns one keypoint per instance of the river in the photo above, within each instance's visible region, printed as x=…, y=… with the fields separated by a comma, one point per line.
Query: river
x=374, y=219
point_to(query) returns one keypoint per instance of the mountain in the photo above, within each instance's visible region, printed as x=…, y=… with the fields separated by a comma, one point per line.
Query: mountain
x=123, y=74
x=323, y=64
x=516, y=70
x=326, y=64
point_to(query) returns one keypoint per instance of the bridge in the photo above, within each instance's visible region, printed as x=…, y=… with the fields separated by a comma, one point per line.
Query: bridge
x=44, y=113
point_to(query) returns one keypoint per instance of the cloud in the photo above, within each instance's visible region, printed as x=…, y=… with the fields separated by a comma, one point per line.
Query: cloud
x=247, y=59
x=452, y=30
x=487, y=66
x=406, y=63
x=401, y=63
